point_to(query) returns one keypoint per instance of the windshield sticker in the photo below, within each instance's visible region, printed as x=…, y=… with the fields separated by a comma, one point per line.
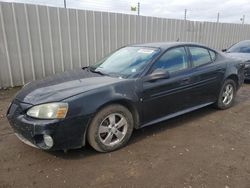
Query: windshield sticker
x=133, y=70
x=145, y=51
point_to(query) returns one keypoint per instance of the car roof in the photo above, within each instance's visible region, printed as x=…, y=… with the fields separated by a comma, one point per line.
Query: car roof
x=244, y=41
x=166, y=45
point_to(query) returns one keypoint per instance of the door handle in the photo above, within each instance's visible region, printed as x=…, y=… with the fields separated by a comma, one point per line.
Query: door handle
x=185, y=80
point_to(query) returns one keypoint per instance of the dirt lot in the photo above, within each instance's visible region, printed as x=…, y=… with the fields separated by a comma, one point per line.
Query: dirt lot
x=205, y=148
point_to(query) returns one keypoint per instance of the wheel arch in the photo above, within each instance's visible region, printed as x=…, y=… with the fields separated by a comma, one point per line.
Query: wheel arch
x=126, y=103
x=235, y=78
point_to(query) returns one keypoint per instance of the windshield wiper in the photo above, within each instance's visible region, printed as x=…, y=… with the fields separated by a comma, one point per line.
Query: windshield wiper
x=112, y=74
x=96, y=71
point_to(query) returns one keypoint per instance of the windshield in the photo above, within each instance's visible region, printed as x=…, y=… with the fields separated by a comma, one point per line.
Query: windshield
x=126, y=62
x=241, y=47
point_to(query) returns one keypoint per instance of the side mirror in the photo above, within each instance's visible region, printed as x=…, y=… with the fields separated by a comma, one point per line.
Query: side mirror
x=157, y=75
x=224, y=50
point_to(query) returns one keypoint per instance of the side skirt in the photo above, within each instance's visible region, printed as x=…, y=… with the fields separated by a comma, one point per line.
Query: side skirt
x=175, y=114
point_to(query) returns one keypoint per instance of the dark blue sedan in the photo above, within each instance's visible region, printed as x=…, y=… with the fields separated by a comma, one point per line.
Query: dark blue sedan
x=133, y=87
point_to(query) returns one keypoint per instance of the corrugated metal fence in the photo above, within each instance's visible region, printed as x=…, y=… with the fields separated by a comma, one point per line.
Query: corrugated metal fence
x=37, y=41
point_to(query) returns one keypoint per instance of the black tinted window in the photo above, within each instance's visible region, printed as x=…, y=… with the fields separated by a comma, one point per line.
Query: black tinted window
x=241, y=47
x=199, y=56
x=173, y=60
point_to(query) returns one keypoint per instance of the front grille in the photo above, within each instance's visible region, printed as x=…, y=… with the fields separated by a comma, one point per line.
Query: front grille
x=15, y=109
x=15, y=114
x=16, y=117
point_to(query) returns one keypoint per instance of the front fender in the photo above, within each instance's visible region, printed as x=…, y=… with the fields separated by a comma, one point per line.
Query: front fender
x=90, y=102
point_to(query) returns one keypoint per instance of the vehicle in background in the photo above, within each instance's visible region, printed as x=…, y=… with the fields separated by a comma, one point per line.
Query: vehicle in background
x=135, y=86
x=241, y=50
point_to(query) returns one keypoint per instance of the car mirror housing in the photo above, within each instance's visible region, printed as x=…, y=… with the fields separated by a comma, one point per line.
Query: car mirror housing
x=224, y=50
x=157, y=75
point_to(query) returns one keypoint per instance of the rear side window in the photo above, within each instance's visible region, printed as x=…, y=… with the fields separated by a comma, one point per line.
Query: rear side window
x=200, y=56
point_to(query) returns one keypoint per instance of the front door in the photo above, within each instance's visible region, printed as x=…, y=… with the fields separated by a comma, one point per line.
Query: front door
x=167, y=96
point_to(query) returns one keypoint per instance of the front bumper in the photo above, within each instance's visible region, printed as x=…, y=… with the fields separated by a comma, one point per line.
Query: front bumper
x=66, y=134
x=24, y=140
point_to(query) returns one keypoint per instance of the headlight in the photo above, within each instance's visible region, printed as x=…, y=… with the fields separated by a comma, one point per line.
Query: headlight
x=49, y=111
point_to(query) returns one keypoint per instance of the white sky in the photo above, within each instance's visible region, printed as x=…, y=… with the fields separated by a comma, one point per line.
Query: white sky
x=200, y=10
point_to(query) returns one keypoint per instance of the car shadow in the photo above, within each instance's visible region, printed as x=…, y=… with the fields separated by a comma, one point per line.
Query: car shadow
x=139, y=134
x=247, y=81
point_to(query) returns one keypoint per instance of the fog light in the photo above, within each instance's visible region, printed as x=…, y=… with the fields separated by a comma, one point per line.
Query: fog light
x=48, y=140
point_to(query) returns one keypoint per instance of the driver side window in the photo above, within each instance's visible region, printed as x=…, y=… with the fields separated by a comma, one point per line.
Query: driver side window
x=172, y=61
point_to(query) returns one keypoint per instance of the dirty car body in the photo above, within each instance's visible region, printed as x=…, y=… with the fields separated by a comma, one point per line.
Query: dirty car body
x=78, y=95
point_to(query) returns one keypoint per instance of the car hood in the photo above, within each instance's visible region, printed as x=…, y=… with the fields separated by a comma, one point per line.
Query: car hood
x=241, y=56
x=61, y=86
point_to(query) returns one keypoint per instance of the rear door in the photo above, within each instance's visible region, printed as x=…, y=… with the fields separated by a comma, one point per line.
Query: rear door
x=207, y=74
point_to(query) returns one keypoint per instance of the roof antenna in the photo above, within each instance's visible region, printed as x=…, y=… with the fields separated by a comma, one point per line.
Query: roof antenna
x=177, y=40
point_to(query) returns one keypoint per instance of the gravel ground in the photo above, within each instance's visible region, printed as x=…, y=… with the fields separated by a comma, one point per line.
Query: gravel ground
x=205, y=148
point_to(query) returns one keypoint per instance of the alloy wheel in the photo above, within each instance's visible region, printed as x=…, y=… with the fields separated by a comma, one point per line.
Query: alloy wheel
x=228, y=94
x=113, y=129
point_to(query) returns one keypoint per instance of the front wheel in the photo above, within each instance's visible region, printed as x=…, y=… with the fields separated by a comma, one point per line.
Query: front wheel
x=111, y=128
x=227, y=95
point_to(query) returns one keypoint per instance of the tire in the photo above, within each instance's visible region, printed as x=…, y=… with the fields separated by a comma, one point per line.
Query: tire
x=111, y=128
x=221, y=102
